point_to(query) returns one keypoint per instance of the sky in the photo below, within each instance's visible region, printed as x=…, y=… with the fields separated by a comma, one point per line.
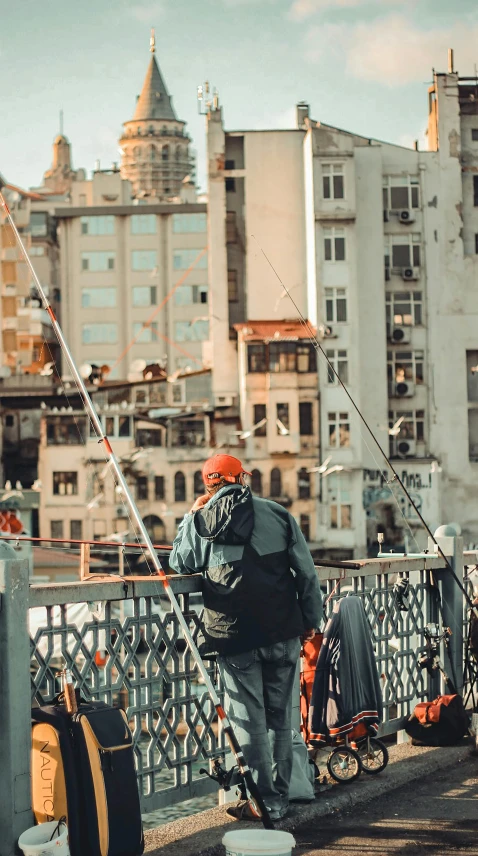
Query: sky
x=362, y=65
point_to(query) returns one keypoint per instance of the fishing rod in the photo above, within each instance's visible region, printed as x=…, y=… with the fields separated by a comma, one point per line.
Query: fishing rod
x=104, y=440
x=396, y=477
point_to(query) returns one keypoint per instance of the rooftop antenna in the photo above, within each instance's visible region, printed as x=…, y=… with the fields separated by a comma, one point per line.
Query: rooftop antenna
x=204, y=100
x=61, y=121
x=152, y=42
x=451, y=66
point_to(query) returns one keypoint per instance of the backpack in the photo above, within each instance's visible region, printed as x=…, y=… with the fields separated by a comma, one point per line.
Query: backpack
x=441, y=722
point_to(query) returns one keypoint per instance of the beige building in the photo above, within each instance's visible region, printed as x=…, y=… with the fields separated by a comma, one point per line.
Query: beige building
x=134, y=279
x=154, y=145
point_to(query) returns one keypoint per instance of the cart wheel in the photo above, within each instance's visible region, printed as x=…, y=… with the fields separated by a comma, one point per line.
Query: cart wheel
x=344, y=764
x=373, y=755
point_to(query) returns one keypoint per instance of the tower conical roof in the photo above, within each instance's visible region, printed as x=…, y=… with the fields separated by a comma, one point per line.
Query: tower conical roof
x=154, y=101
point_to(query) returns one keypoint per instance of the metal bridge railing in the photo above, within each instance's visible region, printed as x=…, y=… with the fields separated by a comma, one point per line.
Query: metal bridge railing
x=124, y=646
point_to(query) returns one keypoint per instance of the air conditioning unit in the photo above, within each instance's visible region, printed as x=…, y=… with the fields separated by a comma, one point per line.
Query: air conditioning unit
x=410, y=273
x=224, y=400
x=404, y=389
x=121, y=511
x=406, y=216
x=400, y=335
x=406, y=448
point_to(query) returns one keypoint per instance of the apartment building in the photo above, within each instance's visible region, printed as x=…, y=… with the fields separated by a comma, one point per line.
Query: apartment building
x=375, y=244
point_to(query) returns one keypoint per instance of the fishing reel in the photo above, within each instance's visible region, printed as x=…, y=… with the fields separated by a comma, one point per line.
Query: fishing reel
x=219, y=774
x=430, y=659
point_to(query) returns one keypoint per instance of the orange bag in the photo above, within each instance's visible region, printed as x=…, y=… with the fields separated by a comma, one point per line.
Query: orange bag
x=429, y=711
x=310, y=655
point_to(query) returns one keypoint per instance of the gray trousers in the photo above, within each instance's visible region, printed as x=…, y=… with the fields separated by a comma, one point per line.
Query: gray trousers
x=259, y=687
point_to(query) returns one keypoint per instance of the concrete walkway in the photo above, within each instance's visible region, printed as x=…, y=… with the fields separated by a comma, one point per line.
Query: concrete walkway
x=350, y=819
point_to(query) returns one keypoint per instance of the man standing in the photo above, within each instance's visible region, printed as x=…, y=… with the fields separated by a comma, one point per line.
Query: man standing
x=261, y=594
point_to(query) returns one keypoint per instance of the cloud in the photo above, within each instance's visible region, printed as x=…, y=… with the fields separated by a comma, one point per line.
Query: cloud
x=392, y=50
x=147, y=13
x=302, y=9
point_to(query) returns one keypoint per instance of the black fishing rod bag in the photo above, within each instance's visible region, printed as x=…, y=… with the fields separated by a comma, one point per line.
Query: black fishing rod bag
x=82, y=768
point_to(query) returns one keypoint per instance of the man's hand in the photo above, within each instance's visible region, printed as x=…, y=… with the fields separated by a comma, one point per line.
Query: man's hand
x=200, y=502
x=309, y=634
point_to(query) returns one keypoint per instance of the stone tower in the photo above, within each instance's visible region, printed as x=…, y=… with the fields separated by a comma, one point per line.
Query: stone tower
x=59, y=178
x=155, y=148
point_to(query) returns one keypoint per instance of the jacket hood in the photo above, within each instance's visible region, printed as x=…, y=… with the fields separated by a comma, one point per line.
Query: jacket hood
x=228, y=518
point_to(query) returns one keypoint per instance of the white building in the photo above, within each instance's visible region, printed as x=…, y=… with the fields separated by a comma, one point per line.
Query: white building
x=377, y=246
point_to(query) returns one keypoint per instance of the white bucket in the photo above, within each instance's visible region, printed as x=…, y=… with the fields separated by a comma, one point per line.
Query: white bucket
x=36, y=840
x=260, y=842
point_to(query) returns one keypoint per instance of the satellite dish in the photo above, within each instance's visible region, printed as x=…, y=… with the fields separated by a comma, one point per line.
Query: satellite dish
x=47, y=369
x=85, y=370
x=138, y=365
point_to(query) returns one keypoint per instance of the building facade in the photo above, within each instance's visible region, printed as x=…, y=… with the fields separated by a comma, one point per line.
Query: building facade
x=376, y=245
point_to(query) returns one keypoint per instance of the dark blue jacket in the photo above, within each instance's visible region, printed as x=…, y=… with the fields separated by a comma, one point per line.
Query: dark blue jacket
x=260, y=583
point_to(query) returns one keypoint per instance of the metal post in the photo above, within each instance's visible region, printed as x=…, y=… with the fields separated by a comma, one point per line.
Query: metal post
x=15, y=701
x=452, y=603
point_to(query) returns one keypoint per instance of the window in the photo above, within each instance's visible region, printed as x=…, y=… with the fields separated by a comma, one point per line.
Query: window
x=144, y=259
x=306, y=421
x=401, y=191
x=257, y=358
x=339, y=502
x=192, y=331
x=142, y=487
x=282, y=422
x=188, y=432
x=179, y=487
x=304, y=523
x=476, y=242
x=56, y=528
x=98, y=298
x=412, y=426
x=303, y=484
x=232, y=292
x=65, y=430
x=306, y=357
x=76, y=530
x=199, y=488
x=38, y=224
x=336, y=305
x=36, y=251
x=231, y=228
x=144, y=334
x=159, y=487
x=230, y=185
x=474, y=135
x=403, y=366
x=475, y=190
x=472, y=375
x=339, y=430
x=282, y=356
x=65, y=484
x=260, y=413
x=143, y=224
x=256, y=482
x=276, y=482
x=144, y=295
x=334, y=245
x=333, y=180
x=149, y=437
x=102, y=225
x=115, y=426
x=184, y=259
x=9, y=420
x=98, y=262
x=230, y=164
x=404, y=251
x=99, y=334
x=339, y=361
x=473, y=434
x=189, y=223
x=187, y=294
x=403, y=308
